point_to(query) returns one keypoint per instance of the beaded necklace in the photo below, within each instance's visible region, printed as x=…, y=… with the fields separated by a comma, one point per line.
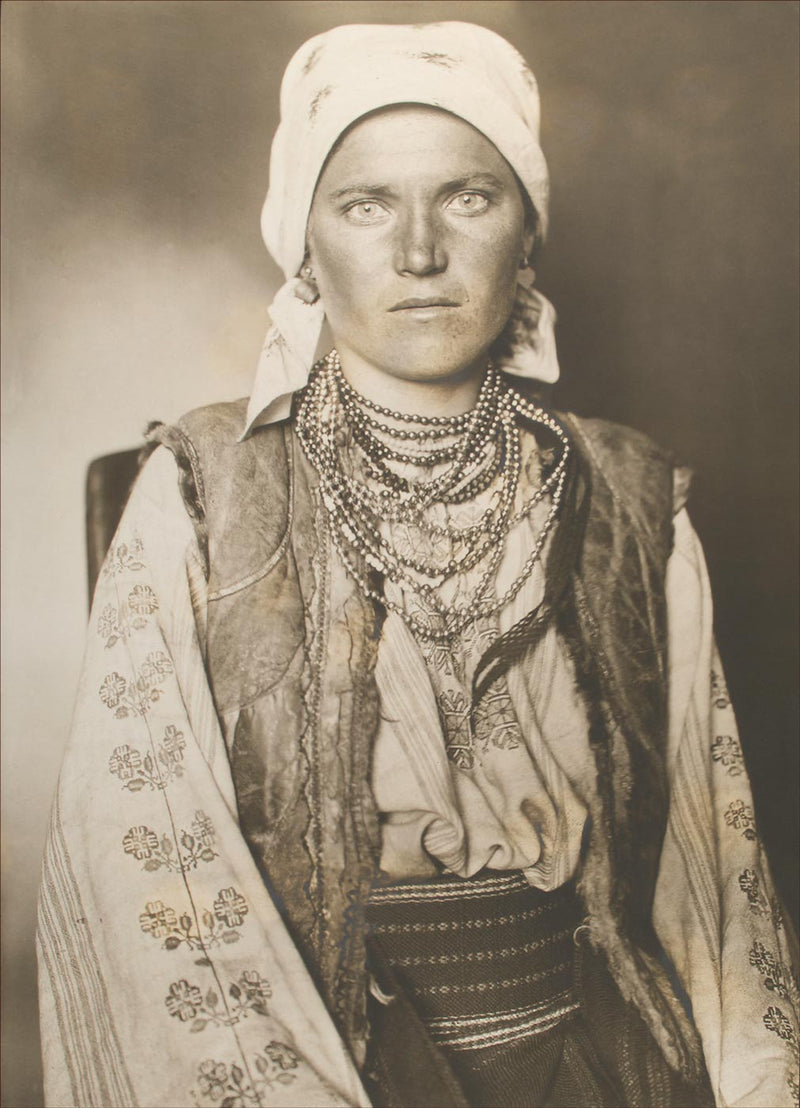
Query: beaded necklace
x=407, y=471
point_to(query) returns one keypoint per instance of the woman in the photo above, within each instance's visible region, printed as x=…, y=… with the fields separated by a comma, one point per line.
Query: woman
x=404, y=770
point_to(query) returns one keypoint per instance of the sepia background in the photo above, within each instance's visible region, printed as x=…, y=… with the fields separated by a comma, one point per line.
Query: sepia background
x=135, y=152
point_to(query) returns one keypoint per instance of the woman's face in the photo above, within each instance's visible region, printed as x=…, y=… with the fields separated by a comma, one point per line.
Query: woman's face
x=416, y=234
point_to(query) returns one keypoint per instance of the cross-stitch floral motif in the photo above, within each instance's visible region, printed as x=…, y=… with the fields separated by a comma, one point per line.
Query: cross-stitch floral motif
x=126, y=698
x=108, y=627
x=183, y=1000
x=125, y=763
x=775, y=1020
x=113, y=689
x=454, y=711
x=144, y=844
x=281, y=1055
x=776, y=976
x=478, y=636
x=157, y=920
x=255, y=985
x=228, y=1085
x=142, y=600
x=726, y=750
x=137, y=771
x=495, y=720
x=436, y=654
x=249, y=993
x=719, y=691
x=173, y=745
x=203, y=829
x=197, y=933
x=124, y=558
x=739, y=816
x=141, y=842
x=212, y=1078
x=230, y=907
x=116, y=624
x=750, y=884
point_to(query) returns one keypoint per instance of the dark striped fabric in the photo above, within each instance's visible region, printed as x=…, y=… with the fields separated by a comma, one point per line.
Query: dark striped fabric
x=487, y=959
x=485, y=994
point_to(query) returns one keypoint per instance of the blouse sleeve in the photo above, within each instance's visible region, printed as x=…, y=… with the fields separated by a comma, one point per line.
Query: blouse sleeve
x=166, y=973
x=716, y=912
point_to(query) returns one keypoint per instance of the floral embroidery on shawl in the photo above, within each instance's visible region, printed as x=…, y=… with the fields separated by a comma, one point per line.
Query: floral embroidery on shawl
x=136, y=770
x=249, y=993
x=726, y=751
x=739, y=816
x=219, y=926
x=750, y=884
x=228, y=1085
x=115, y=623
x=124, y=558
x=719, y=691
x=193, y=846
x=777, y=977
x=138, y=696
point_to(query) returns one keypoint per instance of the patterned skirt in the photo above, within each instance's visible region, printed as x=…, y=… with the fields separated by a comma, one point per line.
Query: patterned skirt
x=485, y=994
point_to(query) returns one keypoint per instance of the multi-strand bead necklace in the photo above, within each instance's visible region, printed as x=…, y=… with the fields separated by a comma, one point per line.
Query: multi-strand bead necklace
x=378, y=466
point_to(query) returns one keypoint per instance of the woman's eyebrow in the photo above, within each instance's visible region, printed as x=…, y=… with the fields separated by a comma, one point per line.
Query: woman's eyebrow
x=361, y=190
x=473, y=180
x=470, y=180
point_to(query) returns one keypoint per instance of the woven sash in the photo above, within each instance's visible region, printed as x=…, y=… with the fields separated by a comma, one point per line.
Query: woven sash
x=486, y=960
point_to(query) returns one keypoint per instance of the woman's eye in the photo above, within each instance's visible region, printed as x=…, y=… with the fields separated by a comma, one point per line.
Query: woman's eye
x=469, y=203
x=365, y=212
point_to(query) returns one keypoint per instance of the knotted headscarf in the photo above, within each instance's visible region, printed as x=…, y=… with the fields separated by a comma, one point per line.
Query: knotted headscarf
x=335, y=79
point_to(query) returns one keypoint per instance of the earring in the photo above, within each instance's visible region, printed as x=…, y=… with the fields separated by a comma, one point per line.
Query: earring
x=306, y=289
x=527, y=273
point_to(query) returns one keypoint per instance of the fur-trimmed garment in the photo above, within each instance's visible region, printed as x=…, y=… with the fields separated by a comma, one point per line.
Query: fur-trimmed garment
x=230, y=695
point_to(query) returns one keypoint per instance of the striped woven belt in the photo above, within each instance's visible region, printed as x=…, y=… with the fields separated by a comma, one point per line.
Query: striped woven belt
x=486, y=959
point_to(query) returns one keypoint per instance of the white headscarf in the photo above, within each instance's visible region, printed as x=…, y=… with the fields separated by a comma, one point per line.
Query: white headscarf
x=333, y=80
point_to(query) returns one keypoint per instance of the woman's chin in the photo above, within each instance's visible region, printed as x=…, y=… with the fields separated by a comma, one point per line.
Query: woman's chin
x=429, y=358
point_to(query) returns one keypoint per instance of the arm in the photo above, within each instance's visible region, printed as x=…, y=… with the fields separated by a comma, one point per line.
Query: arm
x=715, y=912
x=166, y=973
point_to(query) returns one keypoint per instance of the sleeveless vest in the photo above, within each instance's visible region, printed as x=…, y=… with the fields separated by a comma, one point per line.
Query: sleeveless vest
x=291, y=646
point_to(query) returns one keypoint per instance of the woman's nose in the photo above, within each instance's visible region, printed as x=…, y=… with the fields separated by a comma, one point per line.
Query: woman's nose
x=420, y=247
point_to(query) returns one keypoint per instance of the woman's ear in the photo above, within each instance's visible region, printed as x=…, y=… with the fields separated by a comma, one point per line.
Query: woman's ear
x=527, y=251
x=531, y=236
x=306, y=288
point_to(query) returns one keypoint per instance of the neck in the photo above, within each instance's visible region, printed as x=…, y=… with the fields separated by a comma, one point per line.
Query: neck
x=447, y=395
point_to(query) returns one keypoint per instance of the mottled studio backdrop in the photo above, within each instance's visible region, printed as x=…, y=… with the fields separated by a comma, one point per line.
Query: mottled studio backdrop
x=136, y=139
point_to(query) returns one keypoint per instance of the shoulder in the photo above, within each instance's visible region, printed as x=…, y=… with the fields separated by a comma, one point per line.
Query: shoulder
x=229, y=484
x=208, y=440
x=614, y=445
x=221, y=422
x=629, y=461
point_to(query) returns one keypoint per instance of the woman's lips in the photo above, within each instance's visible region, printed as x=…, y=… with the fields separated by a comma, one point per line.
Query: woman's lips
x=421, y=309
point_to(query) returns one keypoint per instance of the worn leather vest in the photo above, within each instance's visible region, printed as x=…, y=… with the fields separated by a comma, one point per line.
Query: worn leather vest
x=291, y=646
